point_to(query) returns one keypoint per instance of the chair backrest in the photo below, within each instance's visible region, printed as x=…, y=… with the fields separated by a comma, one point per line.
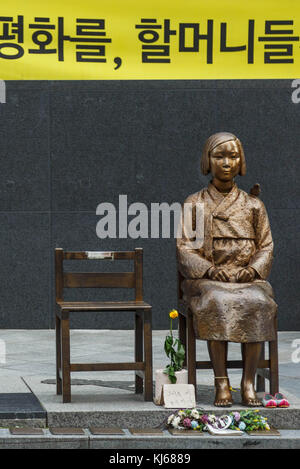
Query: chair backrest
x=180, y=279
x=132, y=279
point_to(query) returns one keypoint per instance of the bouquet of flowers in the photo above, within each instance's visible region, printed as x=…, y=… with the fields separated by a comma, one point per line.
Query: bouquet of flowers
x=248, y=420
x=187, y=419
x=174, y=350
x=194, y=419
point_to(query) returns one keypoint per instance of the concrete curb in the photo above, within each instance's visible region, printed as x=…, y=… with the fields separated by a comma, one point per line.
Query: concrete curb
x=289, y=439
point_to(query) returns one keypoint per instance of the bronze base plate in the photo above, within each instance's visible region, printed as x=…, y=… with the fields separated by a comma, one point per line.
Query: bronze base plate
x=145, y=431
x=106, y=431
x=66, y=431
x=176, y=432
x=26, y=431
x=271, y=432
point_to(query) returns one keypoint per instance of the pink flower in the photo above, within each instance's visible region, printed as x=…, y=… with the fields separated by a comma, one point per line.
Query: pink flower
x=187, y=422
x=204, y=419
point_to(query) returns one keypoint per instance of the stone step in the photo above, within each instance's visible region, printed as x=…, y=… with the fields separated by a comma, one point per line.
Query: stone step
x=101, y=403
x=286, y=419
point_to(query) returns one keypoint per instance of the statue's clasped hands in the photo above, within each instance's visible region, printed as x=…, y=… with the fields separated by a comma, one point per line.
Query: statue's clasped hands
x=221, y=275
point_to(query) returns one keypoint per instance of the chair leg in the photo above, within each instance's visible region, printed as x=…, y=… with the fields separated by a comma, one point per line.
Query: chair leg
x=138, y=351
x=148, y=378
x=58, y=355
x=273, y=355
x=191, y=358
x=182, y=334
x=260, y=380
x=65, y=355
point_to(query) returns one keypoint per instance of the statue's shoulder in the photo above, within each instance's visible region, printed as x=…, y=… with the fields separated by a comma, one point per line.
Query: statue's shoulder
x=196, y=197
x=251, y=199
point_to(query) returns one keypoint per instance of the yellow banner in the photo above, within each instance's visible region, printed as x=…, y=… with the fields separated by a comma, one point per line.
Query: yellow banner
x=149, y=39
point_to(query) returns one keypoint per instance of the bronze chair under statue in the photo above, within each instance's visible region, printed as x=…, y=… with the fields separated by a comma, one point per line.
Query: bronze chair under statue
x=224, y=282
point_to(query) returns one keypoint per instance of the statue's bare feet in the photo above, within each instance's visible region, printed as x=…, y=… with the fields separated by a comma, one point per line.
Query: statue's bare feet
x=223, y=396
x=249, y=397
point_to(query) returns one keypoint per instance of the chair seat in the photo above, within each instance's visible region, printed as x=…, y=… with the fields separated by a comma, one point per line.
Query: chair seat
x=102, y=305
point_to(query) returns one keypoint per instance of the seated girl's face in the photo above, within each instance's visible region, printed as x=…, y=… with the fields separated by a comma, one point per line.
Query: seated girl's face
x=225, y=161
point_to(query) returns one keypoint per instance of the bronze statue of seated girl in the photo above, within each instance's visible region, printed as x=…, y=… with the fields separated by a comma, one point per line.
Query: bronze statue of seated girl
x=225, y=279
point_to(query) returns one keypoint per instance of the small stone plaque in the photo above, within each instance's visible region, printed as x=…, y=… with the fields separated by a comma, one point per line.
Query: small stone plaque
x=271, y=432
x=178, y=396
x=176, y=432
x=146, y=431
x=106, y=431
x=67, y=431
x=26, y=431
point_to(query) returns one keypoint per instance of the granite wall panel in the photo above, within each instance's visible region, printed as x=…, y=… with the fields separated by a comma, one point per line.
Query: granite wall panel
x=68, y=146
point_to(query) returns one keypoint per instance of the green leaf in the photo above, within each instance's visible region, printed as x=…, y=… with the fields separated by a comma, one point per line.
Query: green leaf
x=168, y=345
x=169, y=370
x=169, y=339
x=171, y=374
x=175, y=351
x=181, y=350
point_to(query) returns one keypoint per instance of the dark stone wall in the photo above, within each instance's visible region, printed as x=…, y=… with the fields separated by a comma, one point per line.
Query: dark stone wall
x=67, y=146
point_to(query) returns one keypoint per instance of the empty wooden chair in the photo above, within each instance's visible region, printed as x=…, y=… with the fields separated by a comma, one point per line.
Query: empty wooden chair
x=142, y=313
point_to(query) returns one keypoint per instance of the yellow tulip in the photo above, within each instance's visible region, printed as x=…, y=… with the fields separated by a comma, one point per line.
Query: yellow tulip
x=173, y=314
